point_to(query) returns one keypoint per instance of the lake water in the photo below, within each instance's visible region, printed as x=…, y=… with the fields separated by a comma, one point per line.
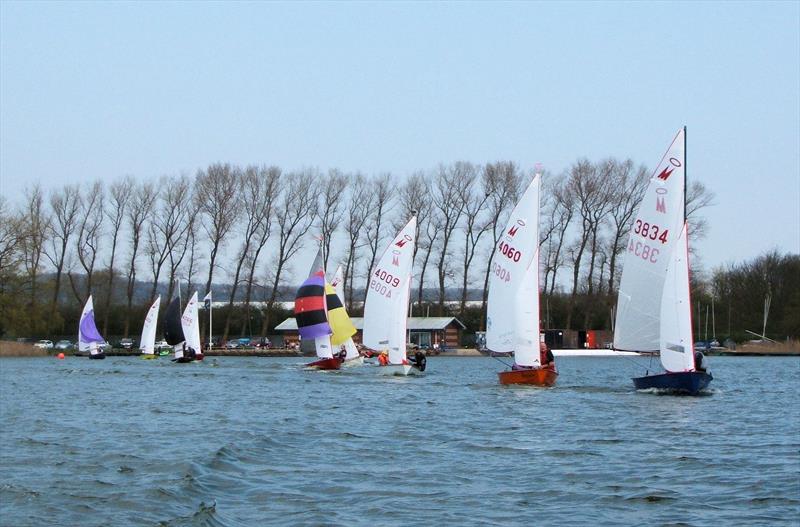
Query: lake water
x=254, y=441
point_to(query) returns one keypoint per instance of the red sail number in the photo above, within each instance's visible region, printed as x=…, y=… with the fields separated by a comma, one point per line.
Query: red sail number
x=650, y=231
x=509, y=252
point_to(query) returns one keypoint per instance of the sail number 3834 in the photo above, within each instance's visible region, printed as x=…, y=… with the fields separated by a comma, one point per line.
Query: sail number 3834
x=650, y=231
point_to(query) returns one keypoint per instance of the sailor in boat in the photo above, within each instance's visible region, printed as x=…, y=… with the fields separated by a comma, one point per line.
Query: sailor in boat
x=383, y=358
x=699, y=361
x=419, y=360
x=546, y=360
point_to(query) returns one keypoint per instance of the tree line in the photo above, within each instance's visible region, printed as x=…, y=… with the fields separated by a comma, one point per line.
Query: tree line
x=244, y=226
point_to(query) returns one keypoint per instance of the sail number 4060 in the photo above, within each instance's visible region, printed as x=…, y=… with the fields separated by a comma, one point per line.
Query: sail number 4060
x=503, y=273
x=509, y=252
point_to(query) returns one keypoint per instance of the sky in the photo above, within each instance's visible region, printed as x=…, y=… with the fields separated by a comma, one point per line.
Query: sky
x=100, y=90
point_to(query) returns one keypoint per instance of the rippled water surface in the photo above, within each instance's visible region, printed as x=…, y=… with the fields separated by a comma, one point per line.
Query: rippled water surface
x=254, y=441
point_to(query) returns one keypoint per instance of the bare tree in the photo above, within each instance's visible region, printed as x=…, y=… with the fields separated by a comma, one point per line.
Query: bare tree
x=294, y=216
x=35, y=224
x=330, y=210
x=698, y=197
x=598, y=213
x=10, y=237
x=357, y=214
x=256, y=193
x=382, y=196
x=501, y=181
x=90, y=234
x=591, y=197
x=120, y=196
x=65, y=206
x=143, y=198
x=415, y=197
x=475, y=226
x=167, y=230
x=630, y=184
x=449, y=206
x=216, y=192
x=559, y=215
x=260, y=193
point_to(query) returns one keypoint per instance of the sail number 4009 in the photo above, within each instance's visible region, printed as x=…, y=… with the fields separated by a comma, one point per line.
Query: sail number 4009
x=382, y=282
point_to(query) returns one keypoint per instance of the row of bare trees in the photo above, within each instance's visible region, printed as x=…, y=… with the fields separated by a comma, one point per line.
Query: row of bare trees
x=244, y=227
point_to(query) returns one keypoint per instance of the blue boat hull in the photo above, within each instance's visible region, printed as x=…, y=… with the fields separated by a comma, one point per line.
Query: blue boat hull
x=689, y=382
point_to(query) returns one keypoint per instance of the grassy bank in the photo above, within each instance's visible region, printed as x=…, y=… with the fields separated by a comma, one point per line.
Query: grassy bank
x=20, y=349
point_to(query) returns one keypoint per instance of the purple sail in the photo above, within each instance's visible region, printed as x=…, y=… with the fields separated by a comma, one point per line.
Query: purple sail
x=309, y=308
x=88, y=329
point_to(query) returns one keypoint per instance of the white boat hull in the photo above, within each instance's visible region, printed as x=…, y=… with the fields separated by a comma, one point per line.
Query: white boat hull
x=398, y=369
x=353, y=363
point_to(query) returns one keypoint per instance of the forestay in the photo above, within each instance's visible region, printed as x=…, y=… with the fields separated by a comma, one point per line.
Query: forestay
x=512, y=322
x=676, y=322
x=652, y=239
x=386, y=306
x=147, y=343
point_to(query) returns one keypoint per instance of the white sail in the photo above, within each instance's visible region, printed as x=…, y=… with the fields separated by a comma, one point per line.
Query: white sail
x=338, y=284
x=89, y=338
x=677, y=353
x=148, y=340
x=652, y=239
x=512, y=321
x=323, y=347
x=190, y=322
x=386, y=306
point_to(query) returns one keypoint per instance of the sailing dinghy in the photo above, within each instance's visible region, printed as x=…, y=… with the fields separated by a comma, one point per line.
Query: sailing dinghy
x=310, y=312
x=386, y=306
x=653, y=305
x=147, y=344
x=352, y=356
x=512, y=312
x=173, y=332
x=89, y=338
x=190, y=323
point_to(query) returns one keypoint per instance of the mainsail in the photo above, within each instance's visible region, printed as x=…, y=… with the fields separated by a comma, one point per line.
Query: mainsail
x=512, y=322
x=652, y=240
x=190, y=324
x=386, y=306
x=147, y=342
x=88, y=336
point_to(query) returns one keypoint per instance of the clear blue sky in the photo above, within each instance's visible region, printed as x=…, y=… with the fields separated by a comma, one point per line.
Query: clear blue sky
x=98, y=90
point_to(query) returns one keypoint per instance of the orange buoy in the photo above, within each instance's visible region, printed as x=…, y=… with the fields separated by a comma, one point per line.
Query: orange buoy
x=60, y=356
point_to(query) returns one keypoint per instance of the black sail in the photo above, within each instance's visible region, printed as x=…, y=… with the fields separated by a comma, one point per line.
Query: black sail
x=173, y=331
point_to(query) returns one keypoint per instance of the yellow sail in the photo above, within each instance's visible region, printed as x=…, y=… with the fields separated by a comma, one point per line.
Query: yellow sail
x=338, y=319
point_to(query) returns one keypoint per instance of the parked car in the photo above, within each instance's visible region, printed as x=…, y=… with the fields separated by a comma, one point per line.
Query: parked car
x=44, y=344
x=126, y=344
x=64, y=345
x=232, y=344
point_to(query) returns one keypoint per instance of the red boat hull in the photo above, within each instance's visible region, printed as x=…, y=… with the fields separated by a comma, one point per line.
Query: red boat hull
x=334, y=363
x=536, y=377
